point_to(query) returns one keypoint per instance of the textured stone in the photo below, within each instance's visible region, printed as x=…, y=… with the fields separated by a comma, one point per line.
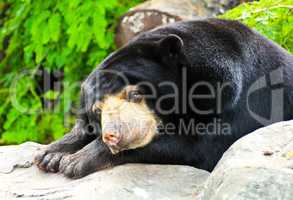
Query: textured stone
x=21, y=180
x=153, y=13
x=258, y=166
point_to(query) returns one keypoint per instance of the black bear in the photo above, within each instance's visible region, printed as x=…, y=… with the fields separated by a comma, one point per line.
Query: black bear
x=178, y=94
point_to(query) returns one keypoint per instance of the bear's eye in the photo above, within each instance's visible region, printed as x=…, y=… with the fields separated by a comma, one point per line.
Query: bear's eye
x=134, y=96
x=97, y=111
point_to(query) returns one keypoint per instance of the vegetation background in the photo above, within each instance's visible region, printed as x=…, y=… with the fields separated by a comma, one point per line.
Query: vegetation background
x=48, y=47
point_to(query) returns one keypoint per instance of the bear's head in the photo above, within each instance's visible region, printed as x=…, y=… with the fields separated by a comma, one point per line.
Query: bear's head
x=126, y=93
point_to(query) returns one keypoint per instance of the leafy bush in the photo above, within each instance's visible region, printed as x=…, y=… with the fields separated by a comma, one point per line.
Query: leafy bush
x=59, y=41
x=272, y=18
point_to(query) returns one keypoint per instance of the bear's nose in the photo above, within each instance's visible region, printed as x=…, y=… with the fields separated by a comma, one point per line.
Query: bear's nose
x=111, y=138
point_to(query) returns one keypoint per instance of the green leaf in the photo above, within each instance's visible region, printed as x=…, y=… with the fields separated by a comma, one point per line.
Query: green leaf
x=51, y=95
x=54, y=25
x=40, y=53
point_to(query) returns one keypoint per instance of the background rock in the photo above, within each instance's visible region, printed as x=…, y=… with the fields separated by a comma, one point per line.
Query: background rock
x=21, y=180
x=258, y=166
x=154, y=13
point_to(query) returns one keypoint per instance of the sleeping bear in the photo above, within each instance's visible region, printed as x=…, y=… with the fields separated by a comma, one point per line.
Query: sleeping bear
x=178, y=94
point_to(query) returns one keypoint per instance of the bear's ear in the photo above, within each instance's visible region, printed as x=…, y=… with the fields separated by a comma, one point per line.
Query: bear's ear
x=170, y=46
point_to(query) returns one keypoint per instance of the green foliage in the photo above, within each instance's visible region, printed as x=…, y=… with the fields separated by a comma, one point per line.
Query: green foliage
x=272, y=18
x=68, y=36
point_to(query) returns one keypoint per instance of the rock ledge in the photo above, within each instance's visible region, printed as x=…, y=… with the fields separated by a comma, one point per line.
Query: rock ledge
x=258, y=166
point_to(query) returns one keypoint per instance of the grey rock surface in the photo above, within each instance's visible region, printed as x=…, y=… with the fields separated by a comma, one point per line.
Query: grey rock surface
x=19, y=179
x=154, y=13
x=258, y=166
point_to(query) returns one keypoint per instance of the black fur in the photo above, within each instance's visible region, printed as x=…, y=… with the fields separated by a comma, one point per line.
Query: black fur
x=213, y=50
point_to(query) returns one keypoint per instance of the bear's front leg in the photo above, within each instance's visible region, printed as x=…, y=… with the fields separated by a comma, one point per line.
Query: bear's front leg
x=93, y=157
x=97, y=156
x=48, y=159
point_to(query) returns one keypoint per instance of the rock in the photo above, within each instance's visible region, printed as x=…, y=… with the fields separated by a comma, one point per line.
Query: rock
x=137, y=21
x=153, y=13
x=185, y=9
x=258, y=166
x=22, y=180
x=221, y=6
